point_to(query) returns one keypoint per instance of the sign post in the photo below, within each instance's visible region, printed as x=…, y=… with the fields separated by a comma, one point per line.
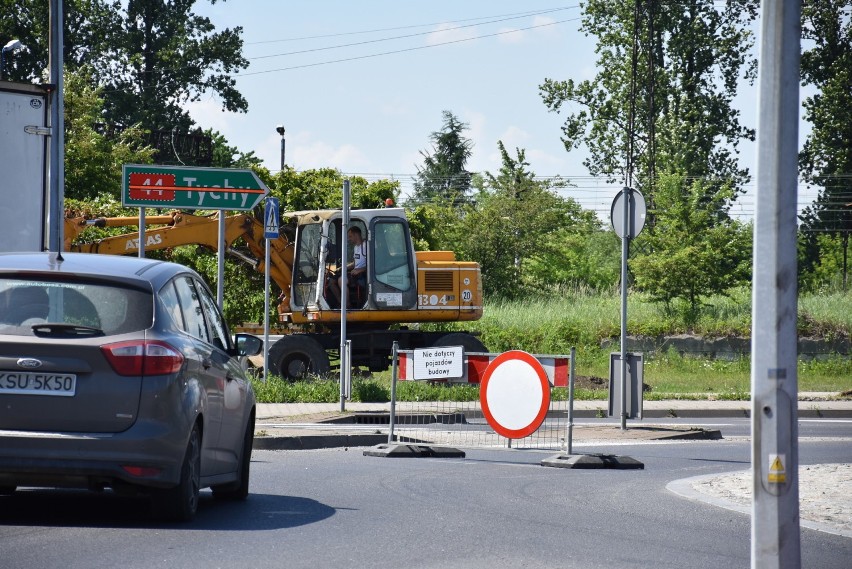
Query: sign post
x=271, y=230
x=344, y=293
x=628, y=218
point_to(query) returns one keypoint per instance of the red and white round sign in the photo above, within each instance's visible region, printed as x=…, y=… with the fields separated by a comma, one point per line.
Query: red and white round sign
x=514, y=394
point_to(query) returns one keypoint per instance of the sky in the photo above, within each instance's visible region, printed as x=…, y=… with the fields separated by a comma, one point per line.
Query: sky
x=360, y=85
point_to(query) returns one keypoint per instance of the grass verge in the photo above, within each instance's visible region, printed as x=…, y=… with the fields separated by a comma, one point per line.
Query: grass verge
x=553, y=324
x=666, y=376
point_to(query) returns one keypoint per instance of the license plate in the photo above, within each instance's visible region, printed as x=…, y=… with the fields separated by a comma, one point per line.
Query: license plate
x=29, y=383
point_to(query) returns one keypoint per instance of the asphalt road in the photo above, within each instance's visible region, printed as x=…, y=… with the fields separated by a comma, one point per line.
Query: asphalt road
x=494, y=509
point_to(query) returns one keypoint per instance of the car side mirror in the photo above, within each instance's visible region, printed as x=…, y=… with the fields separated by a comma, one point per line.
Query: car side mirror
x=248, y=344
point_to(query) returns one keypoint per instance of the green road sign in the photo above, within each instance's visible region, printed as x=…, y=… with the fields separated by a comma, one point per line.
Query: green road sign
x=186, y=187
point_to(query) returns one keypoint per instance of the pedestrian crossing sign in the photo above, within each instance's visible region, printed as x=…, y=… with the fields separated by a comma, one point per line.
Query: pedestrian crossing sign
x=270, y=219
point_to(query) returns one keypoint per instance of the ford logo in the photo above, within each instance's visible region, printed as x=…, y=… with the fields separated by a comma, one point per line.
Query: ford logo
x=29, y=363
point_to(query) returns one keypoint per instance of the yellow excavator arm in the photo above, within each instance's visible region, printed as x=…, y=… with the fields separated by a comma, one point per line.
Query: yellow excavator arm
x=180, y=228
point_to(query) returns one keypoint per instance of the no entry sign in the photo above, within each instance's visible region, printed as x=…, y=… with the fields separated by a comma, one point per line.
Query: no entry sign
x=515, y=394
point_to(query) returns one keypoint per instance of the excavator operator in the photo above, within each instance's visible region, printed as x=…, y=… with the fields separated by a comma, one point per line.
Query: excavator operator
x=357, y=269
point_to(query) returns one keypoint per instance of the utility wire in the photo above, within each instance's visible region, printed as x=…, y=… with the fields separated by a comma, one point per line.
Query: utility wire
x=326, y=48
x=403, y=50
x=342, y=34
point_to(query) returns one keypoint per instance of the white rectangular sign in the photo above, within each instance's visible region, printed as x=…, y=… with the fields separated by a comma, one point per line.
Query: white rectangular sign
x=444, y=362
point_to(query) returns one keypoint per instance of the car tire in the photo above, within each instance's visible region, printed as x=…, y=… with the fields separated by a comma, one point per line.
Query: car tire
x=239, y=490
x=469, y=342
x=180, y=503
x=7, y=490
x=297, y=356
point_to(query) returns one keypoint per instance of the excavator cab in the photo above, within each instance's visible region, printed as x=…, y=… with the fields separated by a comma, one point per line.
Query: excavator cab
x=390, y=279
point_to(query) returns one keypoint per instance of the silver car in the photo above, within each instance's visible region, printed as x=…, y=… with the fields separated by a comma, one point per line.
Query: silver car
x=120, y=372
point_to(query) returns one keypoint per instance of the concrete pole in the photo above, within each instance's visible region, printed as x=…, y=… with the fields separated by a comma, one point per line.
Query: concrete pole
x=775, y=539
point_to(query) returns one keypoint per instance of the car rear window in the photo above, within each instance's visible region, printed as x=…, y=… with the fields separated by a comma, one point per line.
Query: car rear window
x=112, y=308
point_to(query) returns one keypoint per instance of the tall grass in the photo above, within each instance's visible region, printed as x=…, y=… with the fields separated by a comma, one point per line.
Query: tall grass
x=826, y=315
x=578, y=317
x=552, y=324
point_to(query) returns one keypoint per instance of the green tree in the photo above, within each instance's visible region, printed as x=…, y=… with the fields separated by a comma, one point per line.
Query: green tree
x=433, y=225
x=322, y=188
x=690, y=55
x=151, y=56
x=825, y=275
x=93, y=157
x=171, y=57
x=89, y=26
x=514, y=221
x=583, y=255
x=694, y=255
x=227, y=156
x=443, y=175
x=826, y=159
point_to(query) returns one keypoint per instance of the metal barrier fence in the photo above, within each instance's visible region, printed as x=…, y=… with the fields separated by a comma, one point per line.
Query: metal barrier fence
x=463, y=423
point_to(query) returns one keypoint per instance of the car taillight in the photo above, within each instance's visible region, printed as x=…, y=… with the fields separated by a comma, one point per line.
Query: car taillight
x=140, y=357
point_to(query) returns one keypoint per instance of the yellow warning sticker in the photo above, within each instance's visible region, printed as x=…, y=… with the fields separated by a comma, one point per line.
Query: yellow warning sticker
x=777, y=473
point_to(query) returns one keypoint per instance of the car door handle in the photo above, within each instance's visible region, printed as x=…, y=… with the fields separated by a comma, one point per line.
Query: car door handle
x=207, y=363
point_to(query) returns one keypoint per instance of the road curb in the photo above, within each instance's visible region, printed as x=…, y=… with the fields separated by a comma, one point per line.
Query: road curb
x=308, y=439
x=319, y=441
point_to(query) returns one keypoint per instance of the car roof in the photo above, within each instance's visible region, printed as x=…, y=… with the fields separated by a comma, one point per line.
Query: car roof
x=136, y=269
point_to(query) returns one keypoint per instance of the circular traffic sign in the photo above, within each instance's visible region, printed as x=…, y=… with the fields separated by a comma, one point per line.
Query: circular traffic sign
x=514, y=394
x=636, y=213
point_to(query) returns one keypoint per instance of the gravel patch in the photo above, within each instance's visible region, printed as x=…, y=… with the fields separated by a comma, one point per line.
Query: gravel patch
x=825, y=494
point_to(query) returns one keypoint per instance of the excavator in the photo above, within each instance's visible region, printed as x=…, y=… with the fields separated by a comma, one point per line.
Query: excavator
x=402, y=287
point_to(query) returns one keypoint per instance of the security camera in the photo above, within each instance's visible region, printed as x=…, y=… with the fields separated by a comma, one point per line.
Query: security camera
x=280, y=129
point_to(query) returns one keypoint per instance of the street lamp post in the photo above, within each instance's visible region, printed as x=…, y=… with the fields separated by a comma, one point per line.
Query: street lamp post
x=13, y=45
x=280, y=130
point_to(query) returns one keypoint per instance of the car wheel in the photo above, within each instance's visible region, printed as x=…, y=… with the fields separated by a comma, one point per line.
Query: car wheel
x=295, y=357
x=239, y=490
x=468, y=341
x=181, y=502
x=7, y=490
